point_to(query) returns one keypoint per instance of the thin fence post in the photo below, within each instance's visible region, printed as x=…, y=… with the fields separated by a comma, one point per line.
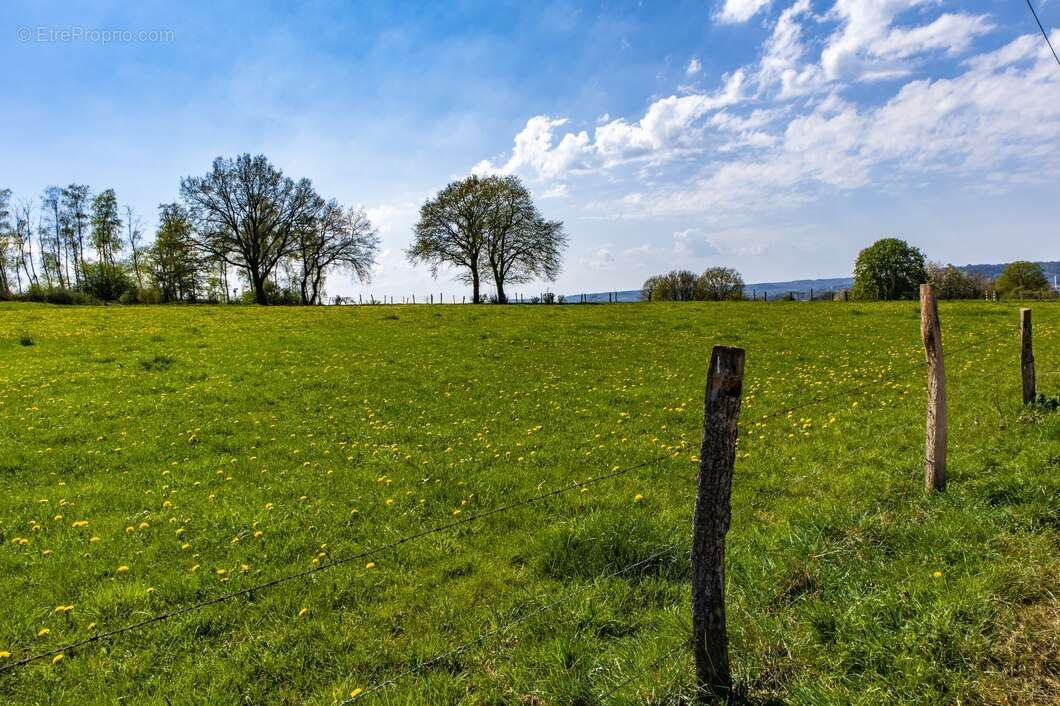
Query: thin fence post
x=935, y=446
x=1027, y=357
x=710, y=522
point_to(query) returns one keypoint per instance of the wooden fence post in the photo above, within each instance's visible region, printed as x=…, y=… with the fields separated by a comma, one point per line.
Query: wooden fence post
x=1027, y=357
x=710, y=522
x=935, y=447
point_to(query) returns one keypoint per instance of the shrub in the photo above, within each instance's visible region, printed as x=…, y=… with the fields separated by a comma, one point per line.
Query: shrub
x=106, y=282
x=25, y=339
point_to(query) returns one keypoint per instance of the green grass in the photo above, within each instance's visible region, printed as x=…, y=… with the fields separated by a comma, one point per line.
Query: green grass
x=180, y=434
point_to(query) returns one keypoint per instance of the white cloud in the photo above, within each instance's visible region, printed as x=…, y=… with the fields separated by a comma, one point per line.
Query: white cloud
x=669, y=126
x=534, y=150
x=741, y=10
x=694, y=67
x=1004, y=110
x=868, y=47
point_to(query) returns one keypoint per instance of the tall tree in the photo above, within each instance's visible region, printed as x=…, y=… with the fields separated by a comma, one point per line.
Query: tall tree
x=174, y=265
x=6, y=241
x=334, y=238
x=24, y=242
x=451, y=231
x=248, y=214
x=106, y=226
x=889, y=269
x=521, y=245
x=76, y=203
x=50, y=235
x=134, y=236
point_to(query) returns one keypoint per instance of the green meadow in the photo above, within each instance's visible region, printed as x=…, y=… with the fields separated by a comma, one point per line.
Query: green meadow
x=156, y=458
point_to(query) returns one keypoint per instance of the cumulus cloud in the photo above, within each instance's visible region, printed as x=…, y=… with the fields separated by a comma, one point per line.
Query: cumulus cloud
x=787, y=128
x=694, y=67
x=741, y=10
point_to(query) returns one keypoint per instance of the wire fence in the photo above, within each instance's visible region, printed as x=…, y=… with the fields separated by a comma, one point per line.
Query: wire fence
x=760, y=499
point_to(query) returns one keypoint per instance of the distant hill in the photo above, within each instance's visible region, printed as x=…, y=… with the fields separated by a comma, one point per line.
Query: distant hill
x=801, y=287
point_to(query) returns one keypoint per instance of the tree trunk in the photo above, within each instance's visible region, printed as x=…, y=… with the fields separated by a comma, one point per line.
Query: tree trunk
x=501, y=298
x=259, y=288
x=475, y=286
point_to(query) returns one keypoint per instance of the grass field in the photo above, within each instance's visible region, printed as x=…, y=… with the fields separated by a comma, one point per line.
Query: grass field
x=151, y=458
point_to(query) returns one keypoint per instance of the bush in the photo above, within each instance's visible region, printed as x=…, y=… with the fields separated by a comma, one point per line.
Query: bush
x=106, y=282
x=952, y=283
x=54, y=295
x=25, y=340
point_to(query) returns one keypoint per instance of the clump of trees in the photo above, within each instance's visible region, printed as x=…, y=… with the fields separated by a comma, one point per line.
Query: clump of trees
x=244, y=218
x=1023, y=279
x=713, y=284
x=954, y=283
x=488, y=228
x=889, y=269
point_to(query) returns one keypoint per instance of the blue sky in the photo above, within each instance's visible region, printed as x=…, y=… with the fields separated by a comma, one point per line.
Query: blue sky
x=778, y=137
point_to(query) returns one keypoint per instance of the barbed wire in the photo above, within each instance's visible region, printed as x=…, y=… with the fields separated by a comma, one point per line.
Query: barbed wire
x=506, y=626
x=651, y=665
x=161, y=617
x=891, y=377
x=168, y=615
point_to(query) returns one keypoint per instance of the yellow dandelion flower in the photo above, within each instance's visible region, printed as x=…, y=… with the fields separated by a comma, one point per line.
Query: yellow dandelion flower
x=4, y=654
x=80, y=523
x=194, y=568
x=638, y=498
x=937, y=574
x=123, y=569
x=93, y=539
x=304, y=612
x=370, y=565
x=356, y=692
x=57, y=658
x=43, y=632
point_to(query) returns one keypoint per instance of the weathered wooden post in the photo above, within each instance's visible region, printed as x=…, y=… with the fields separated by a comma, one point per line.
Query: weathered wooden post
x=710, y=522
x=1027, y=357
x=935, y=447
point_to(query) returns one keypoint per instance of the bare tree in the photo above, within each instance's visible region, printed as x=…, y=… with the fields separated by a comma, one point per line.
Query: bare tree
x=134, y=233
x=50, y=235
x=248, y=214
x=334, y=238
x=6, y=240
x=451, y=231
x=520, y=244
x=24, y=242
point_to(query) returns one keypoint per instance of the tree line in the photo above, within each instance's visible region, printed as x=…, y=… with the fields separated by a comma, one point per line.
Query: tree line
x=893, y=269
x=243, y=222
x=889, y=269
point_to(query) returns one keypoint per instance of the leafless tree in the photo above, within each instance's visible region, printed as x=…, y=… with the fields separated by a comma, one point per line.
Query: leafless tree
x=134, y=233
x=333, y=239
x=248, y=214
